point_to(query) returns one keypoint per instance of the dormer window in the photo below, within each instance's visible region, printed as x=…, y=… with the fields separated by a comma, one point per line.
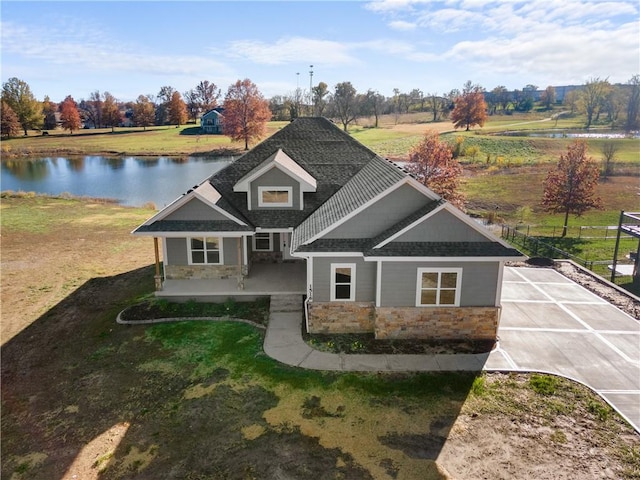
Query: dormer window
x=275, y=196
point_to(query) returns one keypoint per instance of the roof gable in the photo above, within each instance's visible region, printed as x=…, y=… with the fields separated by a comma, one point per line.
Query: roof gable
x=205, y=193
x=283, y=162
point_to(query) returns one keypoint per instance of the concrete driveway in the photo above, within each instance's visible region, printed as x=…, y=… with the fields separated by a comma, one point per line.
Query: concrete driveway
x=551, y=324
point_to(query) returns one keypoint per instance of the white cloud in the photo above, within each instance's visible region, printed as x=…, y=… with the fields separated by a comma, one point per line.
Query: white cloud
x=89, y=50
x=402, y=25
x=290, y=50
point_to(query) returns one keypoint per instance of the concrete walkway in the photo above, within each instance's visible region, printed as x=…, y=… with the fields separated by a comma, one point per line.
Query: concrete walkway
x=549, y=324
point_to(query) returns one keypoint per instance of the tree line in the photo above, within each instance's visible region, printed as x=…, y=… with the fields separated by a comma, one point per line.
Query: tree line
x=617, y=105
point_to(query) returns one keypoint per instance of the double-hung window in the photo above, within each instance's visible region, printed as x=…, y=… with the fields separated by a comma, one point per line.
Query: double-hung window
x=343, y=282
x=263, y=242
x=438, y=287
x=275, y=196
x=205, y=250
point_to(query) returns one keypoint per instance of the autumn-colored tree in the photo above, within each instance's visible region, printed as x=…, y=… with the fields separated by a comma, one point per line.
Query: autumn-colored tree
x=570, y=188
x=246, y=112
x=49, y=110
x=432, y=162
x=18, y=96
x=110, y=111
x=9, y=123
x=177, y=110
x=69, y=114
x=144, y=112
x=470, y=108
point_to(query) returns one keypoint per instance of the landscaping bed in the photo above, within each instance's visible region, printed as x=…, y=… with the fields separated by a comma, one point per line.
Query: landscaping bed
x=155, y=309
x=366, y=343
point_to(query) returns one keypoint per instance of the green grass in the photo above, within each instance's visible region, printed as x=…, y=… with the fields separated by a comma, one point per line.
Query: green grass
x=31, y=213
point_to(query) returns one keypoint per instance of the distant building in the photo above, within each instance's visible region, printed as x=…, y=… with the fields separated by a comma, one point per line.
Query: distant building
x=211, y=121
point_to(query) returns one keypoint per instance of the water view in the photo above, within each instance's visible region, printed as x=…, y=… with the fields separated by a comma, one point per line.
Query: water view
x=132, y=181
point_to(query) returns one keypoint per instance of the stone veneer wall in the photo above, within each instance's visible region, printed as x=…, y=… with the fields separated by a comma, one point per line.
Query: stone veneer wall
x=184, y=272
x=442, y=323
x=445, y=323
x=341, y=317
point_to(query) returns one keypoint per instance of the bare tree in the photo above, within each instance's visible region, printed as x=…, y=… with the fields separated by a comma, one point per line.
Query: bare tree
x=592, y=97
x=609, y=150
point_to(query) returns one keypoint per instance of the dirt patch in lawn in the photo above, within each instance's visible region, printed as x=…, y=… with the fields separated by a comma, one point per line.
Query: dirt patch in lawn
x=83, y=397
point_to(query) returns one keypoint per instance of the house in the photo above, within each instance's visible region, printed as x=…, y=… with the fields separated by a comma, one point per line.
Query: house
x=211, y=121
x=377, y=250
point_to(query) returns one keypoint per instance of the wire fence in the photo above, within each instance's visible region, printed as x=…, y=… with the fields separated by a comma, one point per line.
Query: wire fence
x=582, y=232
x=520, y=235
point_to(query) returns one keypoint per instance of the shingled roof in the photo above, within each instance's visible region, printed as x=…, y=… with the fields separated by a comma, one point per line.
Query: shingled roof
x=321, y=148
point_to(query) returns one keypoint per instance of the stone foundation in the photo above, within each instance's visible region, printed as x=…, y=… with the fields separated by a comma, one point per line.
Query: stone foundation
x=204, y=272
x=461, y=323
x=341, y=317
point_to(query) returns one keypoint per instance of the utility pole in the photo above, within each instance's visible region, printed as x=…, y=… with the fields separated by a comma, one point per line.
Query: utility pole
x=311, y=90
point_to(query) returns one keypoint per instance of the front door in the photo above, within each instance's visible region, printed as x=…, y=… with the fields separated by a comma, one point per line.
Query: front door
x=285, y=245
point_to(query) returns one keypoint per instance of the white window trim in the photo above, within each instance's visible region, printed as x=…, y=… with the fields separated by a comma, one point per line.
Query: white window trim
x=439, y=271
x=289, y=191
x=334, y=267
x=256, y=249
x=220, y=256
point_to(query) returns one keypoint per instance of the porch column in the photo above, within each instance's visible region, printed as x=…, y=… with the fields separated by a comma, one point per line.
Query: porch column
x=240, y=275
x=158, y=277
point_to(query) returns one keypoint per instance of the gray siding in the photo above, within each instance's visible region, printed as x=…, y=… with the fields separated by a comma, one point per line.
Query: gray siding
x=383, y=214
x=275, y=178
x=442, y=227
x=365, y=278
x=399, y=282
x=177, y=251
x=196, y=210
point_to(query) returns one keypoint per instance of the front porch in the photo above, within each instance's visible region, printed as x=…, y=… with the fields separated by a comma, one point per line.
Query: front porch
x=264, y=279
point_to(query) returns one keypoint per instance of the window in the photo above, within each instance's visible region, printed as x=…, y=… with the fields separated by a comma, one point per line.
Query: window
x=343, y=281
x=262, y=242
x=275, y=196
x=205, y=250
x=439, y=287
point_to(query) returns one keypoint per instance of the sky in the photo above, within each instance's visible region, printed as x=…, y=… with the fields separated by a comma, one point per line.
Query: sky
x=130, y=48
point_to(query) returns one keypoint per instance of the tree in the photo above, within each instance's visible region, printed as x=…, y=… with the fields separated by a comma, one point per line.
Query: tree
x=18, y=96
x=246, y=112
x=9, y=123
x=202, y=98
x=432, y=162
x=548, y=97
x=92, y=109
x=69, y=114
x=162, y=104
x=110, y=111
x=633, y=104
x=144, y=112
x=609, y=150
x=372, y=104
x=470, y=108
x=49, y=110
x=320, y=91
x=592, y=97
x=571, y=186
x=344, y=103
x=177, y=110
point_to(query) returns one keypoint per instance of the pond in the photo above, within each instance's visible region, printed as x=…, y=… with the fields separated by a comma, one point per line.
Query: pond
x=568, y=134
x=132, y=181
